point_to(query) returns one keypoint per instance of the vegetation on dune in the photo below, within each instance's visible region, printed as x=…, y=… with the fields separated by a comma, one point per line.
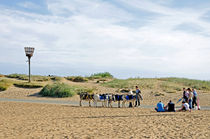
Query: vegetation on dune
x=197, y=84
x=62, y=90
x=28, y=85
x=56, y=78
x=131, y=83
x=167, y=85
x=1, y=75
x=77, y=78
x=25, y=77
x=5, y=84
x=101, y=75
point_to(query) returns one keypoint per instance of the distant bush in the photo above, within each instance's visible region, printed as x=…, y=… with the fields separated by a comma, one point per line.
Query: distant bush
x=18, y=76
x=56, y=78
x=1, y=75
x=25, y=77
x=77, y=78
x=5, y=84
x=58, y=90
x=101, y=75
x=159, y=94
x=28, y=85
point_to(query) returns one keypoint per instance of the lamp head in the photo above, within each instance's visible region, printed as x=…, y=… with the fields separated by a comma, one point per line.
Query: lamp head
x=29, y=51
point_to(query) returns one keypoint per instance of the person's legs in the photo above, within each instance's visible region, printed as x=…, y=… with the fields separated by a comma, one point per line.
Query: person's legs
x=190, y=103
x=195, y=99
x=138, y=103
x=193, y=102
x=156, y=109
x=136, y=100
x=130, y=104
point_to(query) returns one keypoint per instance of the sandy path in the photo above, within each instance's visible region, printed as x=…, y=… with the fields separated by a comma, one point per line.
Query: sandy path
x=27, y=120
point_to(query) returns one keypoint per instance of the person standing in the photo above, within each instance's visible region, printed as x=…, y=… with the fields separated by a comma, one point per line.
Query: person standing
x=138, y=96
x=190, y=98
x=184, y=96
x=195, y=95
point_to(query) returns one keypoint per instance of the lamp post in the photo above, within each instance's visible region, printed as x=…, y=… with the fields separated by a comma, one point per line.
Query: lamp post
x=29, y=53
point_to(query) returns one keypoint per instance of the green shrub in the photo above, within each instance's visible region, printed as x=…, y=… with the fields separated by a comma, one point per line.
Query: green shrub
x=5, y=84
x=77, y=78
x=101, y=75
x=59, y=90
x=28, y=85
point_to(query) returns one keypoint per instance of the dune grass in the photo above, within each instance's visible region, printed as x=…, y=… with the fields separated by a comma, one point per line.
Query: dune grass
x=5, y=84
x=25, y=77
x=62, y=90
x=28, y=85
x=167, y=85
x=197, y=84
x=77, y=78
x=131, y=83
x=56, y=78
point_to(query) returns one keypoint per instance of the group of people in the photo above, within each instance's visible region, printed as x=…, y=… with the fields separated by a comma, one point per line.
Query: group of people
x=170, y=107
x=189, y=101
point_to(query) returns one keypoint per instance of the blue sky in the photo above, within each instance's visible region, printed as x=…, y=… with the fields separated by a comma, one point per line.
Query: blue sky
x=128, y=38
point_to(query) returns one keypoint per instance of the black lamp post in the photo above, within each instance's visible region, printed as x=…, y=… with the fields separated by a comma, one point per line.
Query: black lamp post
x=29, y=53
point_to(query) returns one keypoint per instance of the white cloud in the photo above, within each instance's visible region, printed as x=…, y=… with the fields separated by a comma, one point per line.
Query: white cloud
x=88, y=34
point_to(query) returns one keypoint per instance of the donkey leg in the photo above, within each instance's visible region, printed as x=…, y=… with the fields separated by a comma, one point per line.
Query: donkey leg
x=89, y=104
x=80, y=102
x=118, y=104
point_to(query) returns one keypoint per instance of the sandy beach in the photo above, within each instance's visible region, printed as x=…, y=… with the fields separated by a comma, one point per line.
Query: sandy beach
x=28, y=120
x=39, y=120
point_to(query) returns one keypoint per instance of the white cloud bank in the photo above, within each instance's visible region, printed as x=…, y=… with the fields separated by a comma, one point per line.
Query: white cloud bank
x=81, y=37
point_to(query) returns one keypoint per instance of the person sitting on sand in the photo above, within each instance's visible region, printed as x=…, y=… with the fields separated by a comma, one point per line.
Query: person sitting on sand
x=170, y=107
x=160, y=107
x=185, y=107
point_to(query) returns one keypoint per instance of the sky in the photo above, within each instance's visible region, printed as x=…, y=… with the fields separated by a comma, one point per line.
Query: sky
x=128, y=38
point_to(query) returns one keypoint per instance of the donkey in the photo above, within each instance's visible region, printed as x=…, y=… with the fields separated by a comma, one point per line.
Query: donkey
x=84, y=96
x=128, y=98
x=103, y=98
